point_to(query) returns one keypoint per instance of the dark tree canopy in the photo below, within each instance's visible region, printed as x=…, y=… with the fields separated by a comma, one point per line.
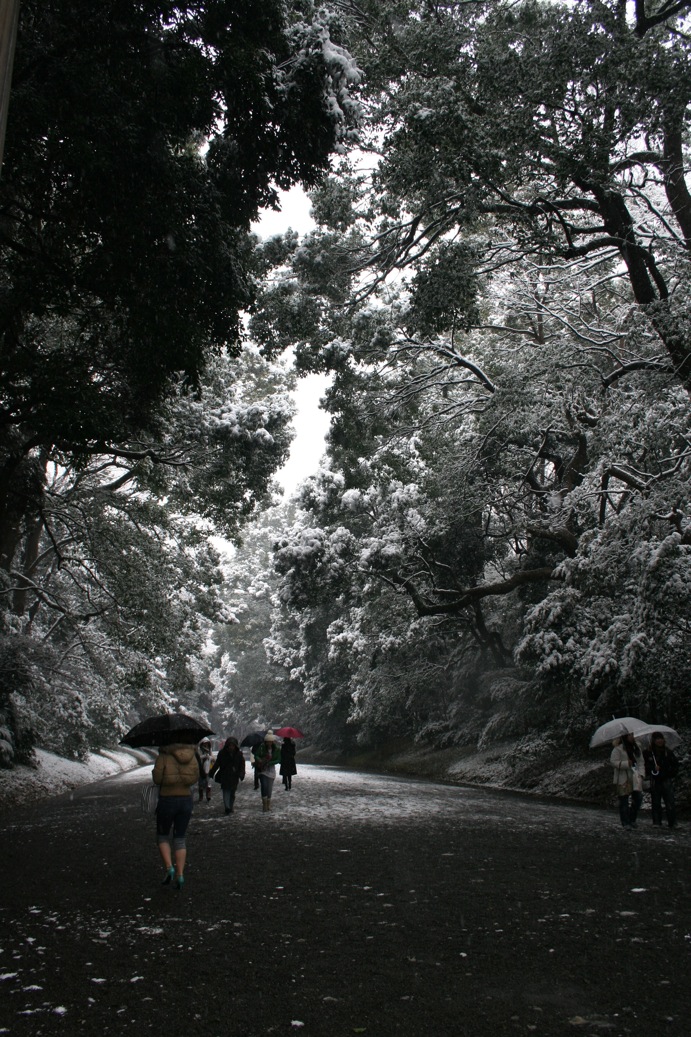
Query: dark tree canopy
x=142, y=141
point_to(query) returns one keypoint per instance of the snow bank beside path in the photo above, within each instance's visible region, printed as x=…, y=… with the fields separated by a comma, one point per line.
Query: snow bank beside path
x=527, y=765
x=54, y=774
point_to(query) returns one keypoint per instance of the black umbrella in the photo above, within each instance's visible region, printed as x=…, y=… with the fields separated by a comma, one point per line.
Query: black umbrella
x=164, y=730
x=253, y=738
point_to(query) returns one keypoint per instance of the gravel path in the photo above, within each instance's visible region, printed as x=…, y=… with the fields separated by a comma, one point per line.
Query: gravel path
x=359, y=905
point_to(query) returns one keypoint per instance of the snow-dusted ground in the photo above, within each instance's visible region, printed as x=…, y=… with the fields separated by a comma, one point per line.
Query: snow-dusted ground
x=512, y=896
x=329, y=798
x=587, y=778
x=531, y=764
x=350, y=792
x=352, y=795
x=54, y=774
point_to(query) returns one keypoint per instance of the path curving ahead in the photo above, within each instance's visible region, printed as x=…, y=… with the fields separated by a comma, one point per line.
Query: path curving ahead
x=359, y=905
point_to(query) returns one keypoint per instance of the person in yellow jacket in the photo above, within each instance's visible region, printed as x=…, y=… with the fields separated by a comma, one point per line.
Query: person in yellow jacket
x=176, y=771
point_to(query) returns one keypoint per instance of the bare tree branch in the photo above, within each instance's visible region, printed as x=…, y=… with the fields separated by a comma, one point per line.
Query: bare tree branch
x=469, y=597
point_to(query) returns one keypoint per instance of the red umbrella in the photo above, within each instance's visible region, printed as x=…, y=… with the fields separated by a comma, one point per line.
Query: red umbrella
x=289, y=732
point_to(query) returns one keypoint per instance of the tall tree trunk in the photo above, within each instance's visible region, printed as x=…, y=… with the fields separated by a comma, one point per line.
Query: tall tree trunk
x=676, y=189
x=649, y=287
x=32, y=543
x=22, y=482
x=9, y=16
x=674, y=328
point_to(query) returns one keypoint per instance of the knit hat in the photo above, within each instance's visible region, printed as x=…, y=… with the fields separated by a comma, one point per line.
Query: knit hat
x=269, y=736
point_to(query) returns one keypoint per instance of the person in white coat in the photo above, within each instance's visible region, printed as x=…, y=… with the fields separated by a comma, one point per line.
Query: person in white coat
x=627, y=761
x=205, y=761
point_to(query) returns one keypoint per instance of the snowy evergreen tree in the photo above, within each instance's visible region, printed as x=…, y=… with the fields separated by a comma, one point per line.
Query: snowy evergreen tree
x=500, y=288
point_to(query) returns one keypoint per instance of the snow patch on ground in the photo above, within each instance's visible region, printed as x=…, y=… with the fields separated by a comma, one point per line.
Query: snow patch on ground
x=531, y=764
x=54, y=774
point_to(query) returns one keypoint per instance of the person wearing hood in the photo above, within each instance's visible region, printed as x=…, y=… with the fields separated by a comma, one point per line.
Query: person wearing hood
x=229, y=769
x=175, y=771
x=266, y=756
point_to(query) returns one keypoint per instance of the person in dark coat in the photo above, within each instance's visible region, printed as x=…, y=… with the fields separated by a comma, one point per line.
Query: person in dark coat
x=288, y=768
x=661, y=766
x=230, y=766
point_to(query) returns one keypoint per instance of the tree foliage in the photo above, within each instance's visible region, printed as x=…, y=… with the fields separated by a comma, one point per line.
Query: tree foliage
x=117, y=582
x=243, y=690
x=142, y=142
x=500, y=288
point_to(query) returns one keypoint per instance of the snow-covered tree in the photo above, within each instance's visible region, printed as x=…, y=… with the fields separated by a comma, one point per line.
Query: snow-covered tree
x=118, y=581
x=500, y=287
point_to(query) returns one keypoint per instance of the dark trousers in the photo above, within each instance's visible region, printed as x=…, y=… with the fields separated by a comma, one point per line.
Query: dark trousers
x=663, y=791
x=628, y=811
x=173, y=812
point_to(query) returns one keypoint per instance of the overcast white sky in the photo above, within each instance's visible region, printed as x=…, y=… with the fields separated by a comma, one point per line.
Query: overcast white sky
x=311, y=423
x=294, y=215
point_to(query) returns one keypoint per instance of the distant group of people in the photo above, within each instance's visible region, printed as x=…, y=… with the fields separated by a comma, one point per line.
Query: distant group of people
x=180, y=767
x=633, y=766
x=265, y=758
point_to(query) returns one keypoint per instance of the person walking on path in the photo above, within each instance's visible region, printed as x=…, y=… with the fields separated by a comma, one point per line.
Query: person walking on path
x=229, y=769
x=627, y=760
x=288, y=768
x=176, y=771
x=661, y=766
x=266, y=756
x=205, y=761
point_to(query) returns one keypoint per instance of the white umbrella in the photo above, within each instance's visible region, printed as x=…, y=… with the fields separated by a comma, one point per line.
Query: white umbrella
x=672, y=737
x=617, y=728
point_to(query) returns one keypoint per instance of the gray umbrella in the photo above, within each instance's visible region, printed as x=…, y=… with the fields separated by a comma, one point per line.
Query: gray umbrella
x=672, y=737
x=616, y=728
x=640, y=729
x=165, y=730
